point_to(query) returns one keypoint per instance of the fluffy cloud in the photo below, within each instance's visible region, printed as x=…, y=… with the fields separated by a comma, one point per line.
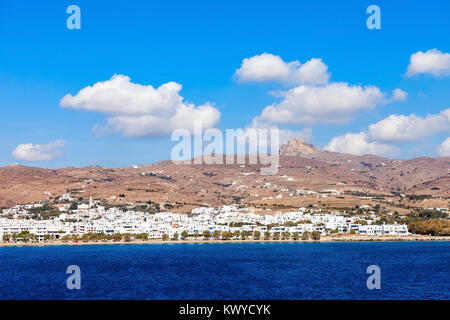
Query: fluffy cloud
x=399, y=95
x=333, y=103
x=313, y=99
x=139, y=110
x=383, y=136
x=444, y=149
x=433, y=62
x=358, y=144
x=401, y=128
x=268, y=67
x=39, y=152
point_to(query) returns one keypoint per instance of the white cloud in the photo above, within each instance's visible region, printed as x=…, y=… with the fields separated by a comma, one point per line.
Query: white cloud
x=141, y=110
x=154, y=125
x=313, y=72
x=358, y=144
x=265, y=67
x=383, y=136
x=268, y=67
x=313, y=100
x=433, y=62
x=401, y=128
x=39, y=152
x=333, y=103
x=399, y=95
x=444, y=148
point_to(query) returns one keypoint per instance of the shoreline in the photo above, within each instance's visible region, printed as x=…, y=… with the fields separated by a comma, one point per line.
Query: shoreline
x=193, y=241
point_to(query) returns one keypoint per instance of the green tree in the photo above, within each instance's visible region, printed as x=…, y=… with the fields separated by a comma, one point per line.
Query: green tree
x=25, y=236
x=266, y=235
x=236, y=234
x=184, y=235
x=127, y=237
x=226, y=235
x=140, y=236
x=434, y=227
x=165, y=237
x=295, y=235
x=65, y=238
x=206, y=234
x=305, y=235
x=175, y=236
x=276, y=235
x=315, y=235
x=216, y=234
x=117, y=237
x=256, y=235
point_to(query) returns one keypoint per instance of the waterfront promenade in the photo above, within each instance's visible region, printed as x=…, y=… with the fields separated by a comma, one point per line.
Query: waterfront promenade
x=343, y=238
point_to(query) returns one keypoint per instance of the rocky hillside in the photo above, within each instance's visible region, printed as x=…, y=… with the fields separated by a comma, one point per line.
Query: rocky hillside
x=301, y=166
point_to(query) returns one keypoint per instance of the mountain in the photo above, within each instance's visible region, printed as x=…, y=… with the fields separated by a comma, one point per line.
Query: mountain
x=185, y=186
x=298, y=147
x=420, y=175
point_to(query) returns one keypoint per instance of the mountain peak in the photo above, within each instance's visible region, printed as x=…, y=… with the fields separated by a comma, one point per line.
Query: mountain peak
x=297, y=147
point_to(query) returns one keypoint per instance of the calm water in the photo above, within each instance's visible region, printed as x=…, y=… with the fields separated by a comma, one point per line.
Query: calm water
x=409, y=270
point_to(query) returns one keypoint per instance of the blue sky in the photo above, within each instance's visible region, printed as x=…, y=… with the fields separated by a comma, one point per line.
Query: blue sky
x=200, y=45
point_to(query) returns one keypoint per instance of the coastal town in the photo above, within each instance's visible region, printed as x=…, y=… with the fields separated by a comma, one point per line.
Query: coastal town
x=315, y=195
x=90, y=220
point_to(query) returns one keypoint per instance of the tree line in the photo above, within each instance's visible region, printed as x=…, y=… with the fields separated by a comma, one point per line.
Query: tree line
x=26, y=236
x=244, y=235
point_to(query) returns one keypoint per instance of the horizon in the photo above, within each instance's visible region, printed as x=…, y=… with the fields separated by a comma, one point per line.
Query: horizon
x=206, y=155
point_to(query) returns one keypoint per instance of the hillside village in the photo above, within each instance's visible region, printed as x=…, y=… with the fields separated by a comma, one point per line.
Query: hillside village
x=71, y=219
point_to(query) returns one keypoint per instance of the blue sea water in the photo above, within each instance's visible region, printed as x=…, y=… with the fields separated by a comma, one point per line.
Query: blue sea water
x=409, y=270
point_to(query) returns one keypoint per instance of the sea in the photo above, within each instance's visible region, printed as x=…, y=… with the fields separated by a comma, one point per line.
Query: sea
x=288, y=271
